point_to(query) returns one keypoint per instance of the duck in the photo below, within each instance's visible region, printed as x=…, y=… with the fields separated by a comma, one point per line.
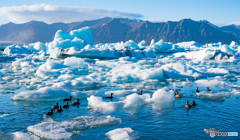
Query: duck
x=197, y=90
x=56, y=106
x=59, y=109
x=68, y=99
x=176, y=94
x=208, y=89
x=50, y=113
x=110, y=97
x=187, y=105
x=66, y=105
x=193, y=103
x=140, y=92
x=76, y=103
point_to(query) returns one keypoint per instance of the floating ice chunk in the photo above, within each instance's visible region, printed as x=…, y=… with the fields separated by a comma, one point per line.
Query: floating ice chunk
x=75, y=38
x=152, y=42
x=15, y=49
x=50, y=68
x=191, y=45
x=127, y=58
x=65, y=130
x=131, y=45
x=145, y=62
x=208, y=130
x=161, y=46
x=122, y=134
x=178, y=70
x=162, y=96
x=133, y=100
x=199, y=55
x=75, y=62
x=212, y=83
x=213, y=95
x=225, y=48
x=3, y=115
x=17, y=136
x=50, y=64
x=49, y=93
x=135, y=72
x=38, y=46
x=141, y=44
x=217, y=71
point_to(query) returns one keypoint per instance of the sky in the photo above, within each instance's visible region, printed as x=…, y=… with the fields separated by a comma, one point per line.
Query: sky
x=218, y=12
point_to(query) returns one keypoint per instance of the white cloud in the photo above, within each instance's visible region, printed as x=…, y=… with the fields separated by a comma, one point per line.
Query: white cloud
x=236, y=23
x=51, y=13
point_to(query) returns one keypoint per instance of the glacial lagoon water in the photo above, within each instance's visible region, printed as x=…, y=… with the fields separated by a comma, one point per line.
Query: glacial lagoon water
x=167, y=120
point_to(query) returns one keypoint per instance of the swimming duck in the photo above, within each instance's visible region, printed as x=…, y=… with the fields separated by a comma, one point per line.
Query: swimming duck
x=140, y=92
x=68, y=99
x=56, y=106
x=76, y=103
x=176, y=94
x=59, y=109
x=66, y=105
x=208, y=89
x=50, y=113
x=187, y=105
x=197, y=90
x=110, y=97
x=193, y=103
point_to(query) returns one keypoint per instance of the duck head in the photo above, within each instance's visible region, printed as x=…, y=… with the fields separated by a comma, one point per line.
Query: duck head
x=59, y=107
x=56, y=104
x=77, y=100
x=187, y=102
x=66, y=103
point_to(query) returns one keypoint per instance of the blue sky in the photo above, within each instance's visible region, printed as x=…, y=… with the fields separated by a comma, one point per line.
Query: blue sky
x=219, y=12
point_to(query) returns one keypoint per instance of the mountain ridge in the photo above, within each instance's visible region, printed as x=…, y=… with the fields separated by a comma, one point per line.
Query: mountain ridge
x=111, y=30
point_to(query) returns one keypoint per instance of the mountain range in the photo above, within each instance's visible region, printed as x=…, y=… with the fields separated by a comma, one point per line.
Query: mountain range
x=111, y=30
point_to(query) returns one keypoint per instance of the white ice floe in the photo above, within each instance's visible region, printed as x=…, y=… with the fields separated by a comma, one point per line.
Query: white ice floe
x=75, y=62
x=122, y=134
x=191, y=45
x=208, y=130
x=135, y=72
x=178, y=70
x=3, y=115
x=15, y=49
x=91, y=80
x=199, y=55
x=38, y=46
x=133, y=100
x=65, y=130
x=49, y=93
x=17, y=136
x=213, y=83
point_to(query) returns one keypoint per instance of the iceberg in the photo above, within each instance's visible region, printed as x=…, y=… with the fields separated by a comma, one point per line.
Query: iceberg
x=122, y=134
x=65, y=130
x=15, y=49
x=131, y=101
x=75, y=62
x=75, y=38
x=17, y=136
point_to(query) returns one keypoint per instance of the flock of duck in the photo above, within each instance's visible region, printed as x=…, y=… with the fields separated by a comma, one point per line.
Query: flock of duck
x=59, y=108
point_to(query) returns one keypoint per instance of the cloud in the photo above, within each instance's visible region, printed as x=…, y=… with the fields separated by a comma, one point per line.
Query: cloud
x=51, y=13
x=235, y=23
